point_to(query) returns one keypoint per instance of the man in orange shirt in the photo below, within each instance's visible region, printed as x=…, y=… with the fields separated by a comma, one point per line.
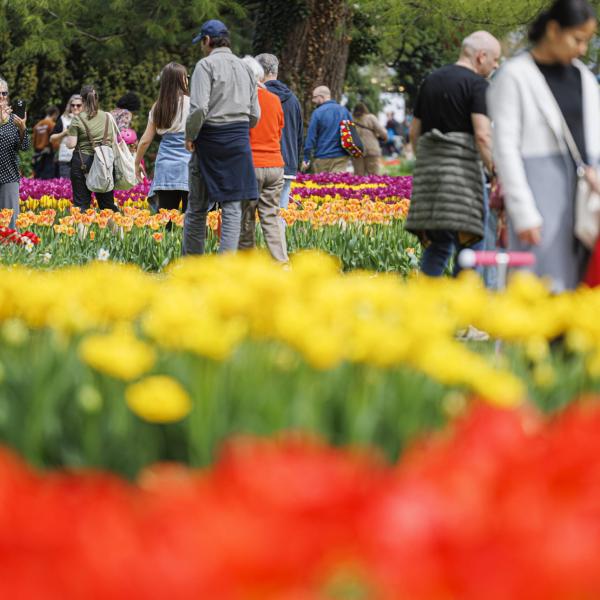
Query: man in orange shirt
x=265, y=142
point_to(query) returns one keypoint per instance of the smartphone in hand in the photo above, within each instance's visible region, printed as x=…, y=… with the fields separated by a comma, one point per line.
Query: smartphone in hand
x=19, y=108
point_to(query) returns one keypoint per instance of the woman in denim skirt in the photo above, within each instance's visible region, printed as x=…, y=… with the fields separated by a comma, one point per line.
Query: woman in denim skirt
x=167, y=118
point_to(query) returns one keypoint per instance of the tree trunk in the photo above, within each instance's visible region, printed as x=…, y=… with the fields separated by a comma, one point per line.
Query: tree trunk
x=312, y=47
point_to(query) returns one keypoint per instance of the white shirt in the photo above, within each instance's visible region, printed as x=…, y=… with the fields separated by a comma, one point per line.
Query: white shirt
x=178, y=125
x=65, y=154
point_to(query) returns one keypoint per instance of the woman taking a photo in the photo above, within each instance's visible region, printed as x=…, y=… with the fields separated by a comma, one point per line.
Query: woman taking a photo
x=13, y=138
x=370, y=132
x=59, y=135
x=167, y=118
x=86, y=131
x=535, y=97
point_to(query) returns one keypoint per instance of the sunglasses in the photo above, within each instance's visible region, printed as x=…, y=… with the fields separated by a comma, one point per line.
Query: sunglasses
x=76, y=105
x=4, y=94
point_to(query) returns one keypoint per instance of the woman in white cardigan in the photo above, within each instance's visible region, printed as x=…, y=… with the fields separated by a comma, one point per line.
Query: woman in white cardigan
x=530, y=98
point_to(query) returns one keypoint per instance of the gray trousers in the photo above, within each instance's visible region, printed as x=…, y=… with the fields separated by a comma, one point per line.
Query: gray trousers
x=9, y=198
x=194, y=224
x=270, y=183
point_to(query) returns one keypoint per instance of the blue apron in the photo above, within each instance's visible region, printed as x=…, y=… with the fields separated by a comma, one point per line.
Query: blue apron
x=225, y=162
x=171, y=167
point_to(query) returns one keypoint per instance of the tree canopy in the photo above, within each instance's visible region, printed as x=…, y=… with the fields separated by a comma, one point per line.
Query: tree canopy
x=48, y=48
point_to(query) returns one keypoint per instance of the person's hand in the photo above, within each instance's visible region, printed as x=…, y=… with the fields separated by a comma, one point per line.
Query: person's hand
x=591, y=176
x=305, y=165
x=531, y=237
x=5, y=113
x=21, y=123
x=189, y=145
x=139, y=172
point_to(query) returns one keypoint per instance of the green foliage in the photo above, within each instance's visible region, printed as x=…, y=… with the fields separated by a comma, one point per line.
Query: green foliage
x=49, y=49
x=274, y=20
x=359, y=246
x=418, y=36
x=359, y=88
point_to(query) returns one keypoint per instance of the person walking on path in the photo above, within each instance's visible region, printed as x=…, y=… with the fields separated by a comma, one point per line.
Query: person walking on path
x=167, y=118
x=451, y=133
x=292, y=136
x=88, y=129
x=13, y=138
x=393, y=135
x=59, y=135
x=223, y=109
x=323, y=141
x=265, y=141
x=534, y=98
x=370, y=131
x=43, y=153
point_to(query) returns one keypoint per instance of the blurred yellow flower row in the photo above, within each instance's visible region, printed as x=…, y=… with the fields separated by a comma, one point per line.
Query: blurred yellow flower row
x=210, y=305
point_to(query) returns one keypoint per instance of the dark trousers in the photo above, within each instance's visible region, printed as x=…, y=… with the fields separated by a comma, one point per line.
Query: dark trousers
x=170, y=199
x=443, y=245
x=43, y=165
x=82, y=197
x=446, y=244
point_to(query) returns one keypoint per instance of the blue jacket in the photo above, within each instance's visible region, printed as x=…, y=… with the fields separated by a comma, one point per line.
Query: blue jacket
x=292, y=136
x=323, y=138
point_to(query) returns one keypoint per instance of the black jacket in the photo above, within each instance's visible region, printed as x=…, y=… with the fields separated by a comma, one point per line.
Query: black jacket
x=293, y=130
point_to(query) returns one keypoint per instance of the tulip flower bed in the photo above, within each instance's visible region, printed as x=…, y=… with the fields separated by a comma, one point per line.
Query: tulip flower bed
x=104, y=365
x=504, y=505
x=359, y=220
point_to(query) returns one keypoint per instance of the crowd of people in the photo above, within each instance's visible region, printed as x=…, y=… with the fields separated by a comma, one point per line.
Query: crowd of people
x=233, y=136
x=535, y=129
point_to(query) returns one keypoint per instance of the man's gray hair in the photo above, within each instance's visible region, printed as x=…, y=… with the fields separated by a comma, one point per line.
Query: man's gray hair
x=269, y=63
x=3, y=83
x=255, y=67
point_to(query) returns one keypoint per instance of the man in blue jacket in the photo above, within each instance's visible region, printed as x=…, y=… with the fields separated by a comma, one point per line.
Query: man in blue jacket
x=292, y=135
x=323, y=143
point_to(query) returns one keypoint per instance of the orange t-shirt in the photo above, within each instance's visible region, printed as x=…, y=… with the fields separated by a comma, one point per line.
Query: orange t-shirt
x=42, y=132
x=265, y=138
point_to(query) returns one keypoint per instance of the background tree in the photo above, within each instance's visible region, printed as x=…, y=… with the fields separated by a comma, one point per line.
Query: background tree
x=418, y=36
x=49, y=48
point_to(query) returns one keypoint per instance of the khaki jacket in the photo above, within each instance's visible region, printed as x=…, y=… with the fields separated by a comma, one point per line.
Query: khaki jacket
x=370, y=130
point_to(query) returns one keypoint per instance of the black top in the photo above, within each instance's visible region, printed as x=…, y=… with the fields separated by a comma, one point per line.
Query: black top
x=565, y=83
x=58, y=128
x=448, y=97
x=10, y=144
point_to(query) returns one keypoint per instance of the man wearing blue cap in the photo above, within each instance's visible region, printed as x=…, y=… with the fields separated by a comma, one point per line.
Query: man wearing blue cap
x=223, y=108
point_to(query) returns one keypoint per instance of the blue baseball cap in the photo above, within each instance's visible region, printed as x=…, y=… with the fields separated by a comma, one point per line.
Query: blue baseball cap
x=212, y=28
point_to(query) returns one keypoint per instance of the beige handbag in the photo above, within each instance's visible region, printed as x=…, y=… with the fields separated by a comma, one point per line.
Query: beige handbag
x=587, y=201
x=125, y=177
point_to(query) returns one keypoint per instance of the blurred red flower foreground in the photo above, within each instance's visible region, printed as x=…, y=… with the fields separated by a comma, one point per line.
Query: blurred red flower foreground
x=503, y=506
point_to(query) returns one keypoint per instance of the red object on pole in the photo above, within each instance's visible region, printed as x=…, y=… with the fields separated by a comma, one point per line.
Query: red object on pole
x=592, y=277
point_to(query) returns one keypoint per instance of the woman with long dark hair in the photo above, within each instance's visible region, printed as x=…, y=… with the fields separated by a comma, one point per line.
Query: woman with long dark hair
x=543, y=103
x=88, y=129
x=167, y=118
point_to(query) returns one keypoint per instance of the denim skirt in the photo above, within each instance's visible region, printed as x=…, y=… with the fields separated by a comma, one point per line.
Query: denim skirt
x=171, y=167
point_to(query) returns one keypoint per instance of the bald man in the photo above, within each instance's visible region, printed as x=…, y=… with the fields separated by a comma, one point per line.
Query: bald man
x=451, y=135
x=323, y=146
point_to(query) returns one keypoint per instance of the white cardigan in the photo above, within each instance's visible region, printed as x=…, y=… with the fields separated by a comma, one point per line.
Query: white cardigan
x=527, y=128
